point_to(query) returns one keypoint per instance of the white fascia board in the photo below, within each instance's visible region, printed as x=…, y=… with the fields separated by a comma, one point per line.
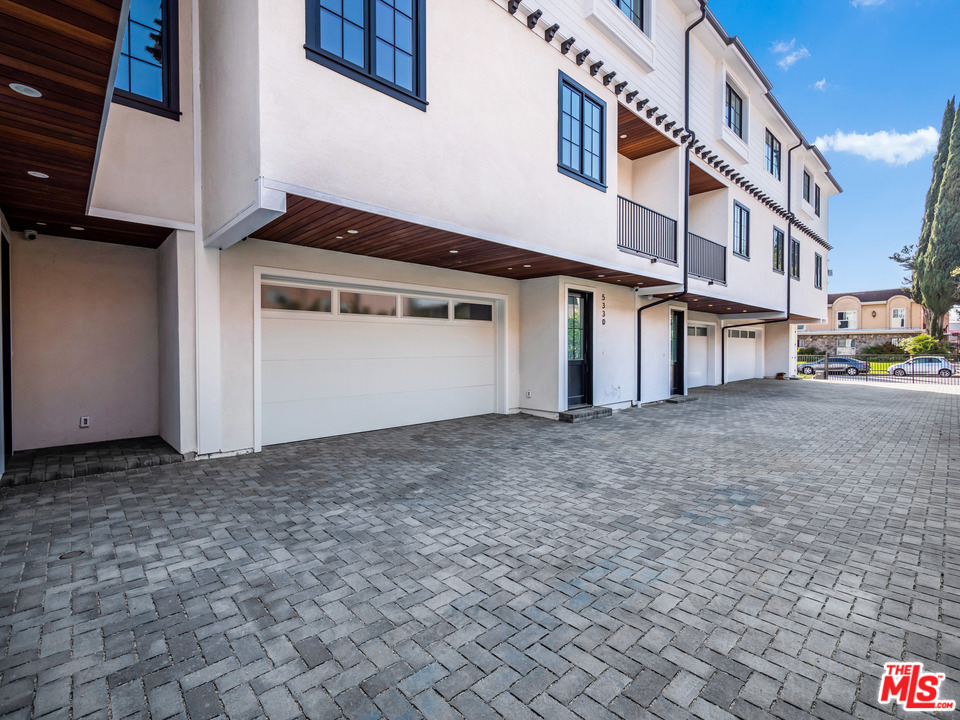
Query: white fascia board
x=731, y=318
x=270, y=204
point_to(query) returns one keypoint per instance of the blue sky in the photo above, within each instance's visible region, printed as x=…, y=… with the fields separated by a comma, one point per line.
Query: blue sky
x=883, y=66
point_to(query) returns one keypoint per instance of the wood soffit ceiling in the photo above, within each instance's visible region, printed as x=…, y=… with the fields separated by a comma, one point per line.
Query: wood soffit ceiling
x=64, y=49
x=701, y=181
x=317, y=224
x=642, y=138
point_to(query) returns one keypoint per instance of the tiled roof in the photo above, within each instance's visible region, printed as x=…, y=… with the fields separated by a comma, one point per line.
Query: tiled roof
x=867, y=295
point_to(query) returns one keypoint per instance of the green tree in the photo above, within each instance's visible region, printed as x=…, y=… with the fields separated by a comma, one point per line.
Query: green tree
x=942, y=254
x=913, y=262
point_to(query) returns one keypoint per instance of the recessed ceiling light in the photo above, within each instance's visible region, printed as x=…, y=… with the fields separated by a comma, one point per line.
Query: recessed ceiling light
x=353, y=232
x=623, y=137
x=601, y=275
x=454, y=252
x=37, y=174
x=339, y=237
x=709, y=305
x=744, y=311
x=509, y=268
x=76, y=227
x=43, y=224
x=25, y=90
x=527, y=266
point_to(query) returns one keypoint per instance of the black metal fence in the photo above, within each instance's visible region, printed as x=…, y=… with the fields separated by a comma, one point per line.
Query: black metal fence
x=889, y=369
x=646, y=231
x=706, y=259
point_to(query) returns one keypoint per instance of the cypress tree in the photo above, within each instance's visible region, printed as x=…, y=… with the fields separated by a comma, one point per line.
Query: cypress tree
x=933, y=195
x=942, y=254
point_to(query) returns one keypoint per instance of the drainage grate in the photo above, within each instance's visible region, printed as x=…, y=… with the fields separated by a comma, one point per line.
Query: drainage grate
x=71, y=555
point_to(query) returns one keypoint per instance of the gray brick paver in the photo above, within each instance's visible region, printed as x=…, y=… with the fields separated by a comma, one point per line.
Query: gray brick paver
x=704, y=560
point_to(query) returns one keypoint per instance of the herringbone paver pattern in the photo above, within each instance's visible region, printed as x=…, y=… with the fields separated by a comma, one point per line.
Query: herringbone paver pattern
x=757, y=554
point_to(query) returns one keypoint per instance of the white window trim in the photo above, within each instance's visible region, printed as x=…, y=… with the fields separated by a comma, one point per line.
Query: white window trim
x=622, y=31
x=848, y=320
x=739, y=146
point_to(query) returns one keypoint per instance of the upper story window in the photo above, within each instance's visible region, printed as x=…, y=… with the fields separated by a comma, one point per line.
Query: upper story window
x=807, y=183
x=147, y=75
x=794, y=259
x=377, y=42
x=741, y=230
x=582, y=117
x=847, y=320
x=816, y=199
x=772, y=156
x=899, y=319
x=734, y=116
x=778, y=241
x=633, y=9
x=818, y=271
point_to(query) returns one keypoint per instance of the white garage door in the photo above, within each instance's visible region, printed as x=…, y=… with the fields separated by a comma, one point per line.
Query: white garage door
x=697, y=356
x=337, y=361
x=742, y=355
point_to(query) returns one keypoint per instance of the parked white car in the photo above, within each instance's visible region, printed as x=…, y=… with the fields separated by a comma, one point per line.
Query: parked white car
x=923, y=365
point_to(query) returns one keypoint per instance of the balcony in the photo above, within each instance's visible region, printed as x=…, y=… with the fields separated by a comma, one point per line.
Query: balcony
x=706, y=259
x=642, y=230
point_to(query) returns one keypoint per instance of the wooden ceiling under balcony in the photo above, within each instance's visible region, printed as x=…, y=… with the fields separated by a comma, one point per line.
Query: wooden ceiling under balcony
x=318, y=224
x=642, y=138
x=701, y=181
x=64, y=49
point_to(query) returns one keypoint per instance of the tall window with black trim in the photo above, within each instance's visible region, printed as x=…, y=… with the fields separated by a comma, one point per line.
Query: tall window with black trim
x=772, y=155
x=807, y=183
x=741, y=230
x=818, y=271
x=778, y=240
x=734, y=116
x=377, y=42
x=816, y=199
x=582, y=116
x=147, y=74
x=794, y=259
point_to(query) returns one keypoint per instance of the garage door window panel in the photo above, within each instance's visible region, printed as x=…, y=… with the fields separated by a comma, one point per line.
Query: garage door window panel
x=303, y=299
x=480, y=312
x=358, y=303
x=416, y=307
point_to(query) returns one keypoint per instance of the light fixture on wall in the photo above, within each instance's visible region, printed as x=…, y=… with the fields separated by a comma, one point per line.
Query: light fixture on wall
x=873, y=314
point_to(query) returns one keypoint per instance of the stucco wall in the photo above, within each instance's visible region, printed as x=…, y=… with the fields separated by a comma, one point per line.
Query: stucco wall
x=85, y=341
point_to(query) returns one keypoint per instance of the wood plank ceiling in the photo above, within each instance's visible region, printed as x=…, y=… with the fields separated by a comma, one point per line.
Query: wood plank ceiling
x=701, y=181
x=64, y=49
x=642, y=138
x=322, y=225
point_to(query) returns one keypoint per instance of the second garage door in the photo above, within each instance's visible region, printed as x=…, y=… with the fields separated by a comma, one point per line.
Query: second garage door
x=742, y=362
x=337, y=361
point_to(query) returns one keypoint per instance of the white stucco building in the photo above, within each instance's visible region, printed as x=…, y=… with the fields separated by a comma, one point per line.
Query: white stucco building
x=269, y=221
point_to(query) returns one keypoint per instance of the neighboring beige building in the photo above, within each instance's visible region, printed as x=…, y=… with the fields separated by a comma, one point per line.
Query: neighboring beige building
x=863, y=319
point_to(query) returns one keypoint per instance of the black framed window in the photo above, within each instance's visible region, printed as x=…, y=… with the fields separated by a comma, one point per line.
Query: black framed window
x=816, y=199
x=818, y=271
x=582, y=142
x=794, y=259
x=633, y=9
x=380, y=43
x=772, y=155
x=741, y=230
x=778, y=242
x=807, y=183
x=148, y=74
x=734, y=116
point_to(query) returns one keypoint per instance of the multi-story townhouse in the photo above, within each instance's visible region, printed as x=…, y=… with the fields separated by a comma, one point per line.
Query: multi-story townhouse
x=239, y=223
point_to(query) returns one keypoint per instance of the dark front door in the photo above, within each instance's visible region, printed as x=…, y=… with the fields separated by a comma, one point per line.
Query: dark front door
x=579, y=351
x=676, y=352
x=5, y=344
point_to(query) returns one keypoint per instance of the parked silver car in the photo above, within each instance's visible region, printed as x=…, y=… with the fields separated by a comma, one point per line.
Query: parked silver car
x=923, y=365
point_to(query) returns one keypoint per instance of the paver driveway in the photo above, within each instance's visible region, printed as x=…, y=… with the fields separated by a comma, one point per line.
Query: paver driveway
x=758, y=553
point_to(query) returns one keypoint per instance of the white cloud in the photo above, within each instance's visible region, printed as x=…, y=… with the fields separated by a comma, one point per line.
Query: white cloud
x=789, y=55
x=892, y=148
x=866, y=3
x=821, y=85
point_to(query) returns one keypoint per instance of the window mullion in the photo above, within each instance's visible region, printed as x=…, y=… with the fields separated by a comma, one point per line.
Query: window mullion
x=370, y=32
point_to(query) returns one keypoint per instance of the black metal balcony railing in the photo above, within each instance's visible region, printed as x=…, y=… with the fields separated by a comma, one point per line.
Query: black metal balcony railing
x=706, y=259
x=645, y=231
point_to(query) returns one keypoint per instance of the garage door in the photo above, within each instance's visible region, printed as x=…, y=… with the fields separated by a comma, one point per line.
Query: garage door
x=742, y=355
x=697, y=356
x=337, y=361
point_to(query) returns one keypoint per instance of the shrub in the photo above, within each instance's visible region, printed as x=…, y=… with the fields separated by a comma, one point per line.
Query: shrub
x=887, y=348
x=925, y=345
